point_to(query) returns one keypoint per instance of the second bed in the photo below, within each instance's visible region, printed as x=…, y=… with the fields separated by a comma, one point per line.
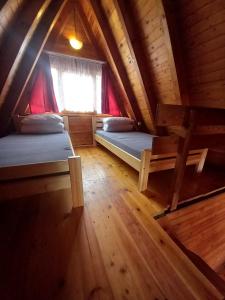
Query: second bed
x=144, y=152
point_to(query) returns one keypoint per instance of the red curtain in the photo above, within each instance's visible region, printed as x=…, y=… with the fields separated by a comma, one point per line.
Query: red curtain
x=109, y=101
x=42, y=96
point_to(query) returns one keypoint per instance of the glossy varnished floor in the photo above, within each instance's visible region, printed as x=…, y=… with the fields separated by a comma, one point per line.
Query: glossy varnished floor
x=108, y=250
x=201, y=228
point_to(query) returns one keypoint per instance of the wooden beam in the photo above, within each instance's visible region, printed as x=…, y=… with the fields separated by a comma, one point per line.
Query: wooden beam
x=17, y=41
x=107, y=34
x=169, y=25
x=182, y=154
x=28, y=62
x=92, y=38
x=130, y=30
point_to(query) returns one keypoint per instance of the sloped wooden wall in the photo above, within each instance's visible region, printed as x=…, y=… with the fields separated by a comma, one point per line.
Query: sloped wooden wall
x=8, y=10
x=153, y=35
x=202, y=25
x=126, y=55
x=151, y=17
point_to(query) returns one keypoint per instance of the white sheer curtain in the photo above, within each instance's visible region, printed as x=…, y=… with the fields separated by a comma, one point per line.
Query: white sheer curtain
x=77, y=83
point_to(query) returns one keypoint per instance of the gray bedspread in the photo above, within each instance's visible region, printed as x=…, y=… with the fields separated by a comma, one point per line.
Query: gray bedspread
x=23, y=149
x=133, y=142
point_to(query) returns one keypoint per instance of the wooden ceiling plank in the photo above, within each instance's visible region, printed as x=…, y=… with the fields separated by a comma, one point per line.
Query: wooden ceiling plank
x=92, y=38
x=107, y=34
x=28, y=63
x=18, y=43
x=139, y=59
x=88, y=30
x=167, y=11
x=59, y=26
x=2, y=3
x=85, y=25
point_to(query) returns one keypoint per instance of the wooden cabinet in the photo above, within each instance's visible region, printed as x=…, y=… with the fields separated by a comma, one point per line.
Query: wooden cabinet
x=80, y=128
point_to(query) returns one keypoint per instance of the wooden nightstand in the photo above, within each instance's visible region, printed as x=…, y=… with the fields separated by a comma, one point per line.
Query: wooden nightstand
x=81, y=128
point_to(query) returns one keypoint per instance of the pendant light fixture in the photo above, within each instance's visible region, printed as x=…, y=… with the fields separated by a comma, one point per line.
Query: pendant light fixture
x=75, y=43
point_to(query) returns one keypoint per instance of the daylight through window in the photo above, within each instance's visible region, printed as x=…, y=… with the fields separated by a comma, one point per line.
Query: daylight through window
x=77, y=84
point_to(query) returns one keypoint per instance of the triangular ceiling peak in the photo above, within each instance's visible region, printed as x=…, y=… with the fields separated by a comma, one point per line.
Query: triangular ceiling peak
x=65, y=28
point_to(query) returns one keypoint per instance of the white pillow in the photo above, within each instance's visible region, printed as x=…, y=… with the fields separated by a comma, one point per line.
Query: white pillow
x=42, y=119
x=42, y=128
x=118, y=127
x=118, y=120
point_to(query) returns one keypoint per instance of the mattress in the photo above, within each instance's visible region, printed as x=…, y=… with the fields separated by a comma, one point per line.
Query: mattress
x=133, y=142
x=23, y=149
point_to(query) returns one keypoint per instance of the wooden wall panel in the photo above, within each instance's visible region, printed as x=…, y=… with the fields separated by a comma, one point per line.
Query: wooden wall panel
x=202, y=24
x=128, y=56
x=7, y=12
x=150, y=19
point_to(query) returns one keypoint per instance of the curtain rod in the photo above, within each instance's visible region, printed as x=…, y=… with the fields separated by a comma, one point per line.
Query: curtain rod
x=76, y=57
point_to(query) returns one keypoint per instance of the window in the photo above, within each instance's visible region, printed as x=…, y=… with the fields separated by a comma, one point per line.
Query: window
x=77, y=84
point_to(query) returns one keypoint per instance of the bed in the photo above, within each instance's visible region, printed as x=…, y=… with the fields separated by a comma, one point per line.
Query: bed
x=36, y=163
x=144, y=152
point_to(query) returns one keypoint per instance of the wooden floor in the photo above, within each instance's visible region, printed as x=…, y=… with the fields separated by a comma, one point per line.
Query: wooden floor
x=112, y=249
x=201, y=228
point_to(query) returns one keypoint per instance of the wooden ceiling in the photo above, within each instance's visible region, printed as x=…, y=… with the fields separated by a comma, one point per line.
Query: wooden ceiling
x=159, y=51
x=65, y=28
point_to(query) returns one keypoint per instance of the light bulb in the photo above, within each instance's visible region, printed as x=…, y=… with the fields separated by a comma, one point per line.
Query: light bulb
x=76, y=44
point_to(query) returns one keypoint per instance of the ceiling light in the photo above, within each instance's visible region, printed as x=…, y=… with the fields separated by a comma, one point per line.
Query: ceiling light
x=74, y=42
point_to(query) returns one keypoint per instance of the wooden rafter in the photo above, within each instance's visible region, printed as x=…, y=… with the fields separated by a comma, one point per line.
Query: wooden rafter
x=140, y=62
x=17, y=41
x=115, y=54
x=92, y=38
x=28, y=62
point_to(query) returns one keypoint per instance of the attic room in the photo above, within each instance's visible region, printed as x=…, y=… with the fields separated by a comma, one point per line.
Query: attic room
x=112, y=149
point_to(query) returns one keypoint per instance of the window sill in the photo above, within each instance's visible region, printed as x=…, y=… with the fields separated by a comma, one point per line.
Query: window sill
x=72, y=113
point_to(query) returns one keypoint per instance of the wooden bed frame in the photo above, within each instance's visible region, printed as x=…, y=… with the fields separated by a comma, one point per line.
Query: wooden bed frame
x=193, y=130
x=153, y=160
x=43, y=177
x=196, y=127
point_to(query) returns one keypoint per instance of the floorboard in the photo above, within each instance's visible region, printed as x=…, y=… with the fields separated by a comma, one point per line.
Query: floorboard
x=201, y=228
x=110, y=249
